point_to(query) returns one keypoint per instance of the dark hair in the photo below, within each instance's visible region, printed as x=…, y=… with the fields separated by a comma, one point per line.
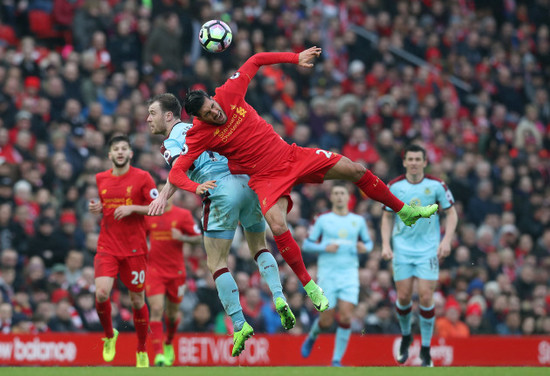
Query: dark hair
x=415, y=148
x=119, y=138
x=340, y=183
x=194, y=101
x=168, y=103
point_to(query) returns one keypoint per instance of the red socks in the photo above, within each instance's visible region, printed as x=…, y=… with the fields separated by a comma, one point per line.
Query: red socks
x=293, y=256
x=156, y=336
x=375, y=188
x=141, y=323
x=104, y=313
x=171, y=327
x=157, y=333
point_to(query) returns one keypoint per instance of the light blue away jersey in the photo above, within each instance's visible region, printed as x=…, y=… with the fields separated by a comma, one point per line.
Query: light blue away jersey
x=424, y=236
x=346, y=231
x=208, y=166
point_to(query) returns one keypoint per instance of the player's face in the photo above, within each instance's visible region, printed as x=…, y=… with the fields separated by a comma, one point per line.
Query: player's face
x=212, y=113
x=156, y=119
x=414, y=162
x=339, y=197
x=120, y=154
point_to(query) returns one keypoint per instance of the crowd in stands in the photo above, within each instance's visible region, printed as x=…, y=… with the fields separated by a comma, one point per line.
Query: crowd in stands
x=75, y=72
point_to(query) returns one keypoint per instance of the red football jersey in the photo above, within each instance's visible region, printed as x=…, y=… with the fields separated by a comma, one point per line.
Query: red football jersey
x=166, y=253
x=248, y=141
x=125, y=237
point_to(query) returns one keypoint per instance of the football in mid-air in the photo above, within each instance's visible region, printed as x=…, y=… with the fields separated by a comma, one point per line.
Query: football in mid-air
x=215, y=36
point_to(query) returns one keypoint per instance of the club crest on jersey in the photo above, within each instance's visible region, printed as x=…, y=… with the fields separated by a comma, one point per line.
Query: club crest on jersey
x=427, y=191
x=415, y=202
x=235, y=75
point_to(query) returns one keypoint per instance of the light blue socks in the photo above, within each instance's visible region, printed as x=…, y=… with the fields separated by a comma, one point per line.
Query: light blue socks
x=270, y=273
x=341, y=343
x=404, y=320
x=427, y=325
x=228, y=293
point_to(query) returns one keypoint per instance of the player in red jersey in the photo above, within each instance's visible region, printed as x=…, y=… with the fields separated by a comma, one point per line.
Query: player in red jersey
x=230, y=126
x=125, y=193
x=166, y=274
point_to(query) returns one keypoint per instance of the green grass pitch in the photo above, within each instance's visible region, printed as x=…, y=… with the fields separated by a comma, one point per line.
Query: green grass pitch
x=272, y=371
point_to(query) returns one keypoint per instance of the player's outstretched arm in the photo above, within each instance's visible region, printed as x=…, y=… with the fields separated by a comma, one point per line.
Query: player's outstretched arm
x=191, y=239
x=238, y=83
x=307, y=57
x=451, y=220
x=126, y=210
x=157, y=206
x=178, y=175
x=385, y=231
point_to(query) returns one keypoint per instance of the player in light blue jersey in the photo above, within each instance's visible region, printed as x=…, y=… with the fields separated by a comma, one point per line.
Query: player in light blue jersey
x=227, y=201
x=417, y=250
x=343, y=235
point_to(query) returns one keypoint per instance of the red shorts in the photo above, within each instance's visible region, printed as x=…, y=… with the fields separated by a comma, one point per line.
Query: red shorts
x=303, y=165
x=131, y=269
x=173, y=286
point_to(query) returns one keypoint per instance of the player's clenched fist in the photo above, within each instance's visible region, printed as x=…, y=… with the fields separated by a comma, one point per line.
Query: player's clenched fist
x=95, y=207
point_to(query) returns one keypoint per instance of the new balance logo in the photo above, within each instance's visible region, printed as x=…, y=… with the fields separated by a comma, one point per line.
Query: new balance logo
x=285, y=249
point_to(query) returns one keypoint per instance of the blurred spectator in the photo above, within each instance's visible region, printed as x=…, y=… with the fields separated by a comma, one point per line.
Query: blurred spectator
x=450, y=325
x=474, y=320
x=6, y=315
x=511, y=325
x=93, y=15
x=163, y=49
x=46, y=243
x=253, y=305
x=62, y=321
x=85, y=306
x=382, y=320
x=73, y=264
x=202, y=320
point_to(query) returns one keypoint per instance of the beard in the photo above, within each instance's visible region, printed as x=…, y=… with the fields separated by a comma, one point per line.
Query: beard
x=120, y=165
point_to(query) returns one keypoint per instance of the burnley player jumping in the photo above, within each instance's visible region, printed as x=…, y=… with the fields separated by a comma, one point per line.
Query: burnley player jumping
x=125, y=193
x=228, y=125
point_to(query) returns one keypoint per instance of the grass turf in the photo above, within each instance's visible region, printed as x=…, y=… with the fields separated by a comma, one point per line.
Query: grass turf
x=273, y=371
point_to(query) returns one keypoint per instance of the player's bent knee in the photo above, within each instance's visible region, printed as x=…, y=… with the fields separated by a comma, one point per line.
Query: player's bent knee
x=357, y=170
x=156, y=310
x=137, y=300
x=278, y=229
x=102, y=295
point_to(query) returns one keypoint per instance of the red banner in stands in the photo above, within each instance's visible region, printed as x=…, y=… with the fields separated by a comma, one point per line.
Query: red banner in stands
x=69, y=349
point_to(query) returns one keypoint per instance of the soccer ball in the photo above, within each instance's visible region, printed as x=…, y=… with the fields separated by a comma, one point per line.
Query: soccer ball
x=215, y=36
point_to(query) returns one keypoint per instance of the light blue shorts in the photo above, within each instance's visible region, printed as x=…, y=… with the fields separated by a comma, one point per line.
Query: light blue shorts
x=230, y=203
x=346, y=289
x=421, y=267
